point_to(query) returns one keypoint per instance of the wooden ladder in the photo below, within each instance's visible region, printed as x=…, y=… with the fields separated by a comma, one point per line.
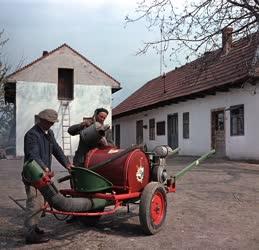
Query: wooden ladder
x=65, y=119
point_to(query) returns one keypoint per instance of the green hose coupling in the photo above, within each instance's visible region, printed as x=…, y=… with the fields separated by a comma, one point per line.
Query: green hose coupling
x=32, y=171
x=34, y=175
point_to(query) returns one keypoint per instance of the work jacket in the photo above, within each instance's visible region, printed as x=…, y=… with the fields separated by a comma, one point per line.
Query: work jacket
x=40, y=146
x=83, y=146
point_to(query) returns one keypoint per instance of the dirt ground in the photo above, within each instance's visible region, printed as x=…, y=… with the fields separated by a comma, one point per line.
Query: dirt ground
x=216, y=206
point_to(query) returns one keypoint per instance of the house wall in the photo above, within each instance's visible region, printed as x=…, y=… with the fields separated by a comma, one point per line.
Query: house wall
x=33, y=97
x=46, y=70
x=199, y=142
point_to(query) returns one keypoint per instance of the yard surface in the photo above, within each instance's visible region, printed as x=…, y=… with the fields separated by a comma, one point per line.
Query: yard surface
x=216, y=206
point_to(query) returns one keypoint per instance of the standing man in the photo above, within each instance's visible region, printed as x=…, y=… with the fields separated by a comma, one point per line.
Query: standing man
x=39, y=145
x=100, y=115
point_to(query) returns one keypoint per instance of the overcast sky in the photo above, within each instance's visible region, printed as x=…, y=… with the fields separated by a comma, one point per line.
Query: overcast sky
x=95, y=28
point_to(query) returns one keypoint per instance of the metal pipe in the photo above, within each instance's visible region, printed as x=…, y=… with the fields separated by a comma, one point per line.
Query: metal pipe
x=193, y=164
x=17, y=203
x=175, y=151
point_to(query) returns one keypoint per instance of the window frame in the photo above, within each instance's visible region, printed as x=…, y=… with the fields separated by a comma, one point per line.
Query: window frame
x=160, y=128
x=151, y=127
x=238, y=119
x=186, y=125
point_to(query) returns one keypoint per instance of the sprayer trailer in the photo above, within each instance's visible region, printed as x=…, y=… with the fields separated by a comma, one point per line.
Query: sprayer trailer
x=110, y=179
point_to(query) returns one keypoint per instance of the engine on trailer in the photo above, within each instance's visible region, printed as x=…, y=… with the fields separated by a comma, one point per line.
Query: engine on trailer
x=158, y=162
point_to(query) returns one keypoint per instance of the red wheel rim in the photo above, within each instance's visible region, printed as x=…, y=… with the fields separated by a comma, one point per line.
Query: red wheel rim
x=157, y=208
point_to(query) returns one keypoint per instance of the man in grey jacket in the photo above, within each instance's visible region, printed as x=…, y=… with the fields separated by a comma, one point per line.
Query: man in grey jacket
x=39, y=145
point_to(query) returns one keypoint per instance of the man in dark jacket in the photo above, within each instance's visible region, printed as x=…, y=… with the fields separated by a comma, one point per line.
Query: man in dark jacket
x=39, y=145
x=84, y=146
x=99, y=116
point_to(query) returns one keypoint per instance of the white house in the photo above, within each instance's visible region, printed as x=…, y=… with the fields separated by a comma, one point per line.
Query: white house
x=212, y=102
x=63, y=80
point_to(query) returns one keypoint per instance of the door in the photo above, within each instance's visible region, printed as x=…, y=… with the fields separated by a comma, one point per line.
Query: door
x=172, y=130
x=139, y=132
x=218, y=132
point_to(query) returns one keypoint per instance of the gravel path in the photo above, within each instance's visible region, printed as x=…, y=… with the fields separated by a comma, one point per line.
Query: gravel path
x=216, y=206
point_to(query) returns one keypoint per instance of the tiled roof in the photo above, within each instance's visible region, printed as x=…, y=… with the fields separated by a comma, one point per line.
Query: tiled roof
x=212, y=71
x=58, y=48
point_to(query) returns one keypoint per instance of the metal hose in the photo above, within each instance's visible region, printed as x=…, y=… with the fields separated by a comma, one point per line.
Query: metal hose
x=66, y=204
x=35, y=176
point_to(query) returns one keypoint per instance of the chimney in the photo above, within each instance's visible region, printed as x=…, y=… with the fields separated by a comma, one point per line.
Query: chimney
x=45, y=53
x=226, y=39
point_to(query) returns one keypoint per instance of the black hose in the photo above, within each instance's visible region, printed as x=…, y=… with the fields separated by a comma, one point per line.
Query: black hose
x=66, y=204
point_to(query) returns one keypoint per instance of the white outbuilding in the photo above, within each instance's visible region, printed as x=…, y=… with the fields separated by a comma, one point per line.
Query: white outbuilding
x=212, y=102
x=63, y=80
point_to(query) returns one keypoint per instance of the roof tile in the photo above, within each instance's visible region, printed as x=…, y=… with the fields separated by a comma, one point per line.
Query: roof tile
x=212, y=70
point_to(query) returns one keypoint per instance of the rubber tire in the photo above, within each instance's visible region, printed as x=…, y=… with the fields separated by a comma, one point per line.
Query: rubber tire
x=152, y=208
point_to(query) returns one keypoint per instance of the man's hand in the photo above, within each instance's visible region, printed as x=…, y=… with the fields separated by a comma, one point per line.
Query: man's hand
x=69, y=167
x=103, y=142
x=48, y=172
x=87, y=122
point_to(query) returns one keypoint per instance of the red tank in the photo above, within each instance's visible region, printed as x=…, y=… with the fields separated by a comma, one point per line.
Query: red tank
x=130, y=172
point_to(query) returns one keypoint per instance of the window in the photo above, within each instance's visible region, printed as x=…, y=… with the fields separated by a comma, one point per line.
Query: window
x=65, y=84
x=152, y=129
x=160, y=128
x=117, y=135
x=237, y=120
x=186, y=123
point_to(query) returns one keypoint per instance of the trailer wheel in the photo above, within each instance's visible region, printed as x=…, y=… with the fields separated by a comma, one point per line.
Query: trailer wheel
x=152, y=208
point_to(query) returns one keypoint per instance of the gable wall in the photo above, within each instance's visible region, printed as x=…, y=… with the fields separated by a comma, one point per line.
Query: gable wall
x=46, y=70
x=33, y=97
x=246, y=147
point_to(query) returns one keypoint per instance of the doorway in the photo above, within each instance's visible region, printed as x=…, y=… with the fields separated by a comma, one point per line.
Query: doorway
x=218, y=132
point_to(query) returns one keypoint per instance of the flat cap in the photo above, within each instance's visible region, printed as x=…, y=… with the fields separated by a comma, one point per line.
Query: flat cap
x=48, y=114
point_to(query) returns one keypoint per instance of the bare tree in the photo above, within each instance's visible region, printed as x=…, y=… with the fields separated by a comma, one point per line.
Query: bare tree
x=6, y=110
x=3, y=66
x=195, y=27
